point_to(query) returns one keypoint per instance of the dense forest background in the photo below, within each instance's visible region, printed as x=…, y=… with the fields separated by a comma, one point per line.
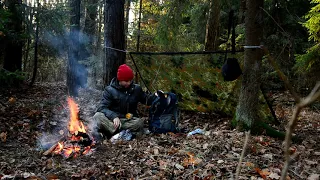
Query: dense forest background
x=38, y=37
x=51, y=49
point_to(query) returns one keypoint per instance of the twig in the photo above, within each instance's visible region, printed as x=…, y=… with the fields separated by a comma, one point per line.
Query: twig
x=275, y=22
x=53, y=147
x=313, y=96
x=157, y=73
x=295, y=173
x=49, y=151
x=281, y=74
x=242, y=154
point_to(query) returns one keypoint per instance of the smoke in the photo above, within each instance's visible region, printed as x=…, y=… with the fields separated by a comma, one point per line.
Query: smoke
x=48, y=139
x=93, y=129
x=74, y=48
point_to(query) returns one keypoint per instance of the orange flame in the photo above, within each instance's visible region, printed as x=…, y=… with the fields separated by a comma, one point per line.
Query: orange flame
x=67, y=151
x=58, y=148
x=75, y=125
x=86, y=150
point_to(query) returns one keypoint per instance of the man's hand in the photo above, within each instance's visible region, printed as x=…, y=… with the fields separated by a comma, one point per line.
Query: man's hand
x=117, y=123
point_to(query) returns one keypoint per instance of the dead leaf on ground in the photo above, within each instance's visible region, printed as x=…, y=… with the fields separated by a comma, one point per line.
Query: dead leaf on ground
x=156, y=151
x=313, y=177
x=34, y=178
x=208, y=177
x=274, y=176
x=263, y=173
x=52, y=177
x=191, y=160
x=33, y=113
x=163, y=164
x=12, y=100
x=173, y=151
x=178, y=166
x=3, y=136
x=311, y=162
x=263, y=142
x=220, y=161
x=249, y=164
x=292, y=150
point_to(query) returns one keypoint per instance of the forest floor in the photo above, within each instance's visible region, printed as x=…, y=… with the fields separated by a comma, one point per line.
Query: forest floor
x=27, y=115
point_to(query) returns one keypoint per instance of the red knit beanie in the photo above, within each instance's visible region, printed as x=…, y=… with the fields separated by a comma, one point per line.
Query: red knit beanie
x=125, y=73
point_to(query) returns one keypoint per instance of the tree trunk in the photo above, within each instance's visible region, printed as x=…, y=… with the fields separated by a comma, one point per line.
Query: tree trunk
x=13, y=52
x=35, y=63
x=90, y=24
x=29, y=28
x=242, y=9
x=2, y=42
x=97, y=50
x=213, y=23
x=126, y=24
x=247, y=110
x=99, y=31
x=114, y=38
x=139, y=26
x=73, y=53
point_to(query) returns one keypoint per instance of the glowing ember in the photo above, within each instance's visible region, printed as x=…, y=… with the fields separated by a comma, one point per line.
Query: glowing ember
x=59, y=148
x=78, y=141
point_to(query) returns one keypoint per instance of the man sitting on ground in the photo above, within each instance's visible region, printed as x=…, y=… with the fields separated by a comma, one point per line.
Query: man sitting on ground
x=118, y=108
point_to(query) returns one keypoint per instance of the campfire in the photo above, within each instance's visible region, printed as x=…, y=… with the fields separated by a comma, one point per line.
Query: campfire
x=77, y=142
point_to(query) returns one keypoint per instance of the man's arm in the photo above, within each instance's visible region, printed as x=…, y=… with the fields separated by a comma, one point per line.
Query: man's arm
x=106, y=103
x=145, y=98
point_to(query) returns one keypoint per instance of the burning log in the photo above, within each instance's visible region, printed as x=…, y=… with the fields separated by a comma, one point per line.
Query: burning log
x=53, y=147
x=73, y=146
x=82, y=139
x=77, y=142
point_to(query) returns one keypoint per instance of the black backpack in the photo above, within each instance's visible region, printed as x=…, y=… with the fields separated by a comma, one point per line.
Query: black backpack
x=164, y=114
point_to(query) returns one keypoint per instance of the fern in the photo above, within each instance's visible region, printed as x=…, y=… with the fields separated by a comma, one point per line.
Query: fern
x=308, y=62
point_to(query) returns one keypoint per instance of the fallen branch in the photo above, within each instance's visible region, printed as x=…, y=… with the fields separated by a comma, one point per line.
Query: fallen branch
x=53, y=147
x=296, y=174
x=242, y=154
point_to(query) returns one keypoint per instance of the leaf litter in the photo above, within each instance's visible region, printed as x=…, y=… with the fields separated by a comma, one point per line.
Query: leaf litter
x=28, y=114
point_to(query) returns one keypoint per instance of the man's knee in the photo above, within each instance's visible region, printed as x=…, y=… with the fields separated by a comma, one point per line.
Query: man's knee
x=103, y=123
x=138, y=123
x=134, y=124
x=99, y=116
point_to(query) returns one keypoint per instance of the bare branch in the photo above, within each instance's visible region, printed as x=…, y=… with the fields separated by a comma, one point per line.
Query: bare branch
x=281, y=74
x=313, y=96
x=301, y=103
x=242, y=154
